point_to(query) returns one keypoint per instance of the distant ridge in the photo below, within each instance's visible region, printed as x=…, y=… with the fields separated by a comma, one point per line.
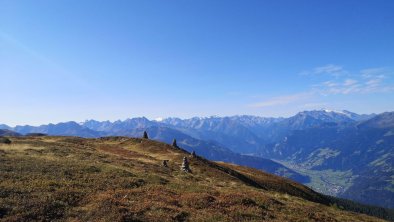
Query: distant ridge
x=6, y=132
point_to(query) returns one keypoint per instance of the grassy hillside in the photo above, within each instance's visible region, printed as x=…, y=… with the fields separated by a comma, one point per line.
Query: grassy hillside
x=122, y=179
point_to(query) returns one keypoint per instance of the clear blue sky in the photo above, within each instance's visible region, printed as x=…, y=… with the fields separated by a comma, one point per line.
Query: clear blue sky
x=77, y=60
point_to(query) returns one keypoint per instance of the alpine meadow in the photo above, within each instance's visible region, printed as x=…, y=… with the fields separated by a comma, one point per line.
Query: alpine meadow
x=176, y=110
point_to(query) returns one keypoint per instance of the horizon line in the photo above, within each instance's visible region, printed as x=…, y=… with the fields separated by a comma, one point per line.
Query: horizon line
x=160, y=119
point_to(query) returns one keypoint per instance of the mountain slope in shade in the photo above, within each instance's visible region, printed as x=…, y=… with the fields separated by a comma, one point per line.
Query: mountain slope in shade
x=224, y=130
x=5, y=132
x=249, y=134
x=5, y=127
x=365, y=151
x=61, y=129
x=122, y=179
x=118, y=127
x=358, y=117
x=382, y=121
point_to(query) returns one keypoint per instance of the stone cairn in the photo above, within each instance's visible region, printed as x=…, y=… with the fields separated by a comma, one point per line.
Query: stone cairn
x=165, y=163
x=145, y=136
x=174, y=144
x=185, y=165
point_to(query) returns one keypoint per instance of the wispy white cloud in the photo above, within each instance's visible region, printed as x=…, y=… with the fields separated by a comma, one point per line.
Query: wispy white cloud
x=338, y=82
x=365, y=81
x=330, y=69
x=373, y=72
x=349, y=82
x=281, y=100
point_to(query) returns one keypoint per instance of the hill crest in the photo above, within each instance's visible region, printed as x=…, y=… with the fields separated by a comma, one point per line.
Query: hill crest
x=122, y=179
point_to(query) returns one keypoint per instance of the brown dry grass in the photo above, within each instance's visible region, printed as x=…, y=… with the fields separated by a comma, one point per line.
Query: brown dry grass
x=121, y=179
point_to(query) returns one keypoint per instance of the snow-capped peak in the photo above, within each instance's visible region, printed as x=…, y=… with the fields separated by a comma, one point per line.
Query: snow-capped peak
x=159, y=119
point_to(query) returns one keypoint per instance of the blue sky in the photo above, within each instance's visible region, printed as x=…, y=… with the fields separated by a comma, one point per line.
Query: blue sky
x=94, y=59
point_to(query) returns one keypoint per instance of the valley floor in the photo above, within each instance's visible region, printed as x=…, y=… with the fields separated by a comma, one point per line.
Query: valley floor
x=328, y=182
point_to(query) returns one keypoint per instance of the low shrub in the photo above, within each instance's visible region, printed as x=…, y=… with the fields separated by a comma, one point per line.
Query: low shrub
x=5, y=140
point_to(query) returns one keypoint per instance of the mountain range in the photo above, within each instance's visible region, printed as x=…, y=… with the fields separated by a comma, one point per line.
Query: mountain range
x=339, y=153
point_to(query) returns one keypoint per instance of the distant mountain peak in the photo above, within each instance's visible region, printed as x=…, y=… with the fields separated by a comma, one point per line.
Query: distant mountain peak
x=159, y=119
x=335, y=115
